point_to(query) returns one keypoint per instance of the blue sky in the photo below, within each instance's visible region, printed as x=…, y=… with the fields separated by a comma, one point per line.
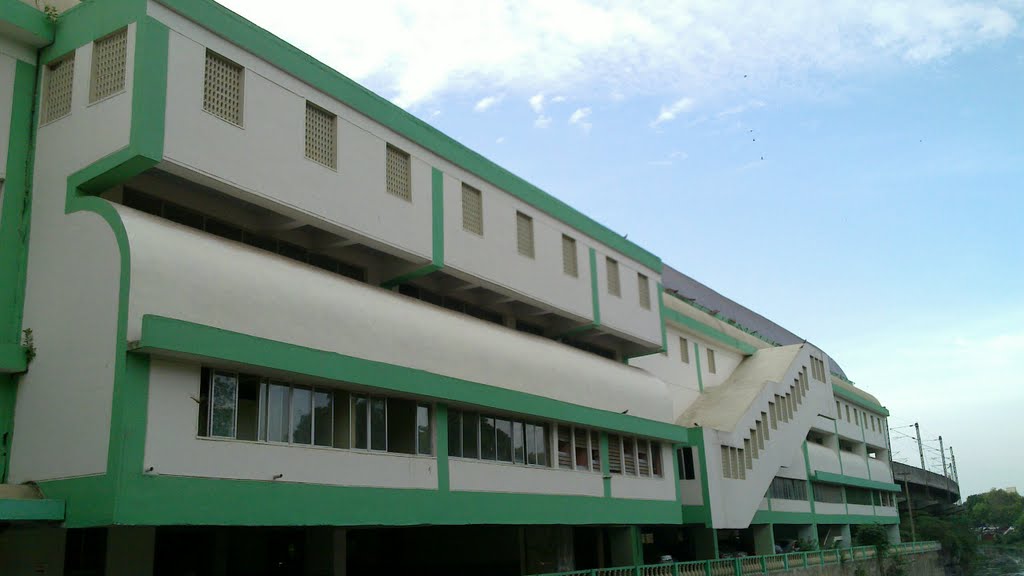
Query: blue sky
x=852, y=170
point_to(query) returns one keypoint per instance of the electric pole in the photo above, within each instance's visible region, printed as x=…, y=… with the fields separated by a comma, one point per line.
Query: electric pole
x=910, y=507
x=942, y=450
x=920, y=448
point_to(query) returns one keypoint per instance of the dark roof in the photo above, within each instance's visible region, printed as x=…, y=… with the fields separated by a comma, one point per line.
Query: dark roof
x=689, y=289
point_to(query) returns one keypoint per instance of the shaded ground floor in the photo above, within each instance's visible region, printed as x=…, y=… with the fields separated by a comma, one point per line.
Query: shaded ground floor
x=424, y=550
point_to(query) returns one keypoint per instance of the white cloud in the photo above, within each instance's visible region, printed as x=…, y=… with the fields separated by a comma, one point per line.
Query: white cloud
x=558, y=99
x=537, y=103
x=579, y=117
x=500, y=140
x=669, y=113
x=414, y=52
x=542, y=121
x=486, y=103
x=741, y=108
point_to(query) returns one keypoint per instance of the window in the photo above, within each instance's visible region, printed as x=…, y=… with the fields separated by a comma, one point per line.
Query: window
x=712, y=369
x=687, y=471
x=570, y=265
x=398, y=173
x=614, y=454
x=856, y=417
x=839, y=411
x=644, y=286
x=222, y=88
x=524, y=234
x=57, y=95
x=472, y=210
x=595, y=450
x=321, y=136
x=684, y=350
x=502, y=439
x=873, y=423
x=612, y=270
x=847, y=412
x=788, y=489
x=860, y=496
x=629, y=455
x=108, y=65
x=248, y=407
x=827, y=493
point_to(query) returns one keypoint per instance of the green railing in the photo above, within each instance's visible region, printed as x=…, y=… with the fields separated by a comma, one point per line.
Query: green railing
x=756, y=565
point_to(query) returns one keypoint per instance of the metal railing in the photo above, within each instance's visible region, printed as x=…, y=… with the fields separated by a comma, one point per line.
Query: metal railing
x=756, y=565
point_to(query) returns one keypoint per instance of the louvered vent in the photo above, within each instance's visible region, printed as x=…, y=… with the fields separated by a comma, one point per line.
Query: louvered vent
x=614, y=454
x=321, y=136
x=472, y=210
x=524, y=234
x=57, y=98
x=564, y=447
x=570, y=265
x=222, y=89
x=108, y=65
x=644, y=286
x=726, y=462
x=612, y=267
x=399, y=179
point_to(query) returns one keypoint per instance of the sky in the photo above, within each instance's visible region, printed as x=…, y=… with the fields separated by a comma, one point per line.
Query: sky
x=853, y=170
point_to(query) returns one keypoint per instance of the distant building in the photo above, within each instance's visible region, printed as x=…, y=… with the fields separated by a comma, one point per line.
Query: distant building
x=278, y=322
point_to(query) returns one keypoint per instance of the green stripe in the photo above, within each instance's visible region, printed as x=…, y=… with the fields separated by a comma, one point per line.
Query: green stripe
x=595, y=297
x=661, y=317
x=437, y=234
x=206, y=342
x=766, y=517
x=700, y=375
x=443, y=481
x=859, y=400
x=279, y=53
x=12, y=510
x=87, y=21
x=687, y=323
x=831, y=478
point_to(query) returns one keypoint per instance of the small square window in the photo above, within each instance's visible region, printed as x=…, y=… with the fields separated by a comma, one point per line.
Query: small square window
x=222, y=88
x=109, y=56
x=712, y=369
x=399, y=178
x=321, y=136
x=472, y=210
x=684, y=350
x=524, y=234
x=57, y=96
x=612, y=271
x=570, y=265
x=644, y=287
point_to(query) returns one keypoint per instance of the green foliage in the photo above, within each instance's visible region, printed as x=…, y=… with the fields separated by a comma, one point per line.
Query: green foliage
x=29, y=343
x=806, y=544
x=51, y=13
x=998, y=508
x=955, y=533
x=897, y=566
x=871, y=535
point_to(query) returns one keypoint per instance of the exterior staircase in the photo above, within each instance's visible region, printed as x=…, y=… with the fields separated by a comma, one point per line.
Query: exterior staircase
x=756, y=422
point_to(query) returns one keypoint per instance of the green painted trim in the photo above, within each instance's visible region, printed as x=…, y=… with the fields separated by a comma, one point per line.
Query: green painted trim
x=831, y=478
x=170, y=500
x=205, y=342
x=717, y=316
x=87, y=21
x=766, y=517
x=694, y=515
x=661, y=317
x=675, y=472
x=13, y=360
x=594, y=294
x=687, y=323
x=34, y=24
x=279, y=53
x=839, y=452
x=443, y=471
x=606, y=475
x=437, y=234
x=697, y=440
x=43, y=510
x=700, y=375
x=859, y=400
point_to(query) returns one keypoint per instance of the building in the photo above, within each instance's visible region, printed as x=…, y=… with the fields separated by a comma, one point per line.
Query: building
x=256, y=319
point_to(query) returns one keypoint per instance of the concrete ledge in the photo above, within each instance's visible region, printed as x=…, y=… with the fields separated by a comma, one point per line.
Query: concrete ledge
x=12, y=359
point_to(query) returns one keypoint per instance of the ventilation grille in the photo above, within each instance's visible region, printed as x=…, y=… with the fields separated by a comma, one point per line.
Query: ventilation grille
x=57, y=99
x=108, y=65
x=524, y=234
x=222, y=90
x=321, y=136
x=645, y=291
x=614, y=454
x=570, y=265
x=472, y=210
x=613, y=277
x=564, y=447
x=399, y=180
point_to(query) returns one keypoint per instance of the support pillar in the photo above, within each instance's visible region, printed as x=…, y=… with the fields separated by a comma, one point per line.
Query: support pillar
x=130, y=550
x=764, y=539
x=847, y=541
x=339, y=549
x=705, y=543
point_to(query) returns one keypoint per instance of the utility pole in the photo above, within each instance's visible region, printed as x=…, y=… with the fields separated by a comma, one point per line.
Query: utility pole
x=942, y=450
x=910, y=507
x=920, y=448
x=956, y=476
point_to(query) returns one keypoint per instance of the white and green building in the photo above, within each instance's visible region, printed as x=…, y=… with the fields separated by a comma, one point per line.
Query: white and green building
x=278, y=323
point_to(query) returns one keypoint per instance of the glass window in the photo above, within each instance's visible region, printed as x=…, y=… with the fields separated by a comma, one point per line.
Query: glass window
x=225, y=395
x=580, y=448
x=277, y=413
x=342, y=420
x=643, y=457
x=595, y=450
x=203, y=428
x=656, y=459
x=401, y=426
x=471, y=435
x=531, y=435
x=503, y=430
x=302, y=415
x=687, y=469
x=628, y=456
x=378, y=424
x=323, y=418
x=518, y=443
x=541, y=446
x=454, y=432
x=614, y=454
x=423, y=439
x=488, y=451
x=249, y=393
x=564, y=447
x=360, y=421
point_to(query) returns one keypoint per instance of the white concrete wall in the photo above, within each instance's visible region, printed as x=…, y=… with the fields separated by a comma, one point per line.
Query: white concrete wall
x=481, y=476
x=854, y=465
x=779, y=505
x=886, y=511
x=861, y=509
x=692, y=491
x=173, y=447
x=880, y=470
x=830, y=508
x=653, y=488
x=63, y=406
x=726, y=361
x=264, y=162
x=823, y=458
x=332, y=313
x=680, y=376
